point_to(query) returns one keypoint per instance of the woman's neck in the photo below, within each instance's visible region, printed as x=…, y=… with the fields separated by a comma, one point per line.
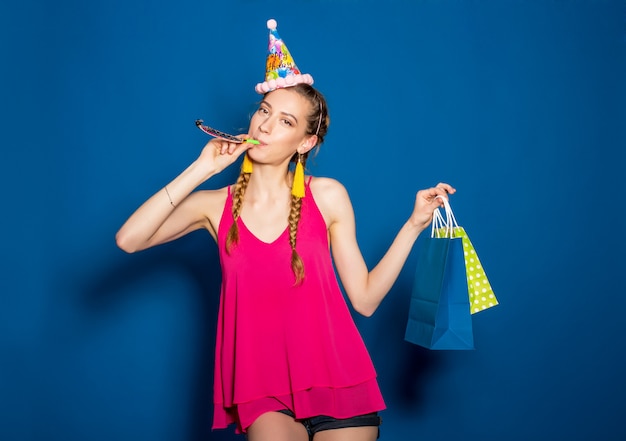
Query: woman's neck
x=269, y=182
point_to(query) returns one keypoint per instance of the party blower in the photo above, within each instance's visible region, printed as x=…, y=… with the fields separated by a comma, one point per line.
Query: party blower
x=219, y=134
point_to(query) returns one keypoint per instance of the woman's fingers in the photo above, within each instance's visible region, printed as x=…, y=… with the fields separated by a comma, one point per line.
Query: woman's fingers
x=447, y=187
x=433, y=196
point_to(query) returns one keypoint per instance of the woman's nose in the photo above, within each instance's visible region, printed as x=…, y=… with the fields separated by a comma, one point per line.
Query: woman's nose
x=265, y=126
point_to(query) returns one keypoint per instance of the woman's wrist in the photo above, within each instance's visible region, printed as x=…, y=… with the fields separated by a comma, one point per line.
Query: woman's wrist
x=200, y=172
x=414, y=226
x=185, y=183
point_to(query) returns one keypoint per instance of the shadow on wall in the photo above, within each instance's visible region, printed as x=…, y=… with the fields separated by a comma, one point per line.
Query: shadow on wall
x=404, y=368
x=146, y=328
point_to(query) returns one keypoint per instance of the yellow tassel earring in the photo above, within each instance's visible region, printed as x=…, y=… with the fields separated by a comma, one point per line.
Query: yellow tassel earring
x=297, y=188
x=246, y=166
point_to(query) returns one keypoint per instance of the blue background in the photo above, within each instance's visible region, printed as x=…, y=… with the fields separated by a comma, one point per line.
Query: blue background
x=519, y=104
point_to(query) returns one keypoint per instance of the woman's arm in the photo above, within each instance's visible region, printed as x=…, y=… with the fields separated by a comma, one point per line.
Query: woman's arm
x=174, y=210
x=366, y=289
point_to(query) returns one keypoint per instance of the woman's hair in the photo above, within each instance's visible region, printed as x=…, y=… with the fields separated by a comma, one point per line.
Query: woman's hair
x=317, y=124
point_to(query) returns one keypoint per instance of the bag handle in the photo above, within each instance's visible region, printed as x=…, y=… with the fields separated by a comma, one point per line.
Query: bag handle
x=448, y=224
x=438, y=223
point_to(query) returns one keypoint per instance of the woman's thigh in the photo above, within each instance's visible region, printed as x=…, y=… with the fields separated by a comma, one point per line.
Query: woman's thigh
x=276, y=426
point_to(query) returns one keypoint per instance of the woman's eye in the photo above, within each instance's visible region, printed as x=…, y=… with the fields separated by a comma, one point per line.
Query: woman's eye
x=287, y=122
x=263, y=110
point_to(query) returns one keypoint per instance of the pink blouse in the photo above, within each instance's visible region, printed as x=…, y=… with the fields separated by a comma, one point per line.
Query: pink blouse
x=296, y=346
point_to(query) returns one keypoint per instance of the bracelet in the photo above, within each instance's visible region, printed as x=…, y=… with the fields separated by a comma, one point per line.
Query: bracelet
x=169, y=197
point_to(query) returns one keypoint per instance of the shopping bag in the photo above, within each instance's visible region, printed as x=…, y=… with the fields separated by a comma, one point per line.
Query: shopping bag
x=481, y=295
x=439, y=312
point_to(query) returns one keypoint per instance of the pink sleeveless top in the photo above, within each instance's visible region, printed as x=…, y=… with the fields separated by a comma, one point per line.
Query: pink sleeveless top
x=284, y=346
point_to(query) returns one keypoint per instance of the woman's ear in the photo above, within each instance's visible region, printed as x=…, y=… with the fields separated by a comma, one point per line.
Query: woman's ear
x=308, y=144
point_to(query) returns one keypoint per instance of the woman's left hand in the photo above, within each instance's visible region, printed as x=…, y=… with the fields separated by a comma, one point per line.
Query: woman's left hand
x=426, y=201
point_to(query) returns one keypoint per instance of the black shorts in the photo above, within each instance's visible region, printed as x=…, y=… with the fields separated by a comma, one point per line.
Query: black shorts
x=319, y=423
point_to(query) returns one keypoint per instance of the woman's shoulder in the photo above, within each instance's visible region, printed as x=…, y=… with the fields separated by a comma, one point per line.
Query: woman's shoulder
x=323, y=185
x=331, y=197
x=214, y=194
x=209, y=204
x=210, y=201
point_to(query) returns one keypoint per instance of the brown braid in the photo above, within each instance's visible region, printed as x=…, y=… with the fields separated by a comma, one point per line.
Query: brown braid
x=232, y=238
x=297, y=266
x=317, y=124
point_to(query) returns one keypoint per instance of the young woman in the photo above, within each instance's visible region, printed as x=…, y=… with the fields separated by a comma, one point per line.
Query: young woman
x=289, y=362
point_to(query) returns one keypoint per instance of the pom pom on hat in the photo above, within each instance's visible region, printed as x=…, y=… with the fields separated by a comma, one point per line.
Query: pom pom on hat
x=280, y=68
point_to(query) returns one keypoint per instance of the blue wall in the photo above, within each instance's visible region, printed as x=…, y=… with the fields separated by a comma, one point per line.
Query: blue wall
x=519, y=104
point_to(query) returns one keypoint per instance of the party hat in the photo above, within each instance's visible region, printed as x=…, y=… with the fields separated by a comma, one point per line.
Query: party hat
x=280, y=68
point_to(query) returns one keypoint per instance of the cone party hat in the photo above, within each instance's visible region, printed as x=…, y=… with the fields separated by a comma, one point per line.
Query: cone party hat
x=280, y=68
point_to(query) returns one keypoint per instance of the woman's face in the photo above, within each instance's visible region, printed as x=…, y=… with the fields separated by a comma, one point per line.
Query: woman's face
x=280, y=125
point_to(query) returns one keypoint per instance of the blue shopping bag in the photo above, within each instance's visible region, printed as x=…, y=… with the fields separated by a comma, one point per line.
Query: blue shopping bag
x=439, y=313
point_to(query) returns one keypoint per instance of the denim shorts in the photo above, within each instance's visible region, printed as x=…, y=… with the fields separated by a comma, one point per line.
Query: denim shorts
x=319, y=423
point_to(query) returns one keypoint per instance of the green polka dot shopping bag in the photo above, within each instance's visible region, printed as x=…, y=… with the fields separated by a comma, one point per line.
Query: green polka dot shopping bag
x=481, y=295
x=450, y=285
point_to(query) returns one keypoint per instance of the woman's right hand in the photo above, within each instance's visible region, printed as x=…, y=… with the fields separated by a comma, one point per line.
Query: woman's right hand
x=219, y=153
x=171, y=213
